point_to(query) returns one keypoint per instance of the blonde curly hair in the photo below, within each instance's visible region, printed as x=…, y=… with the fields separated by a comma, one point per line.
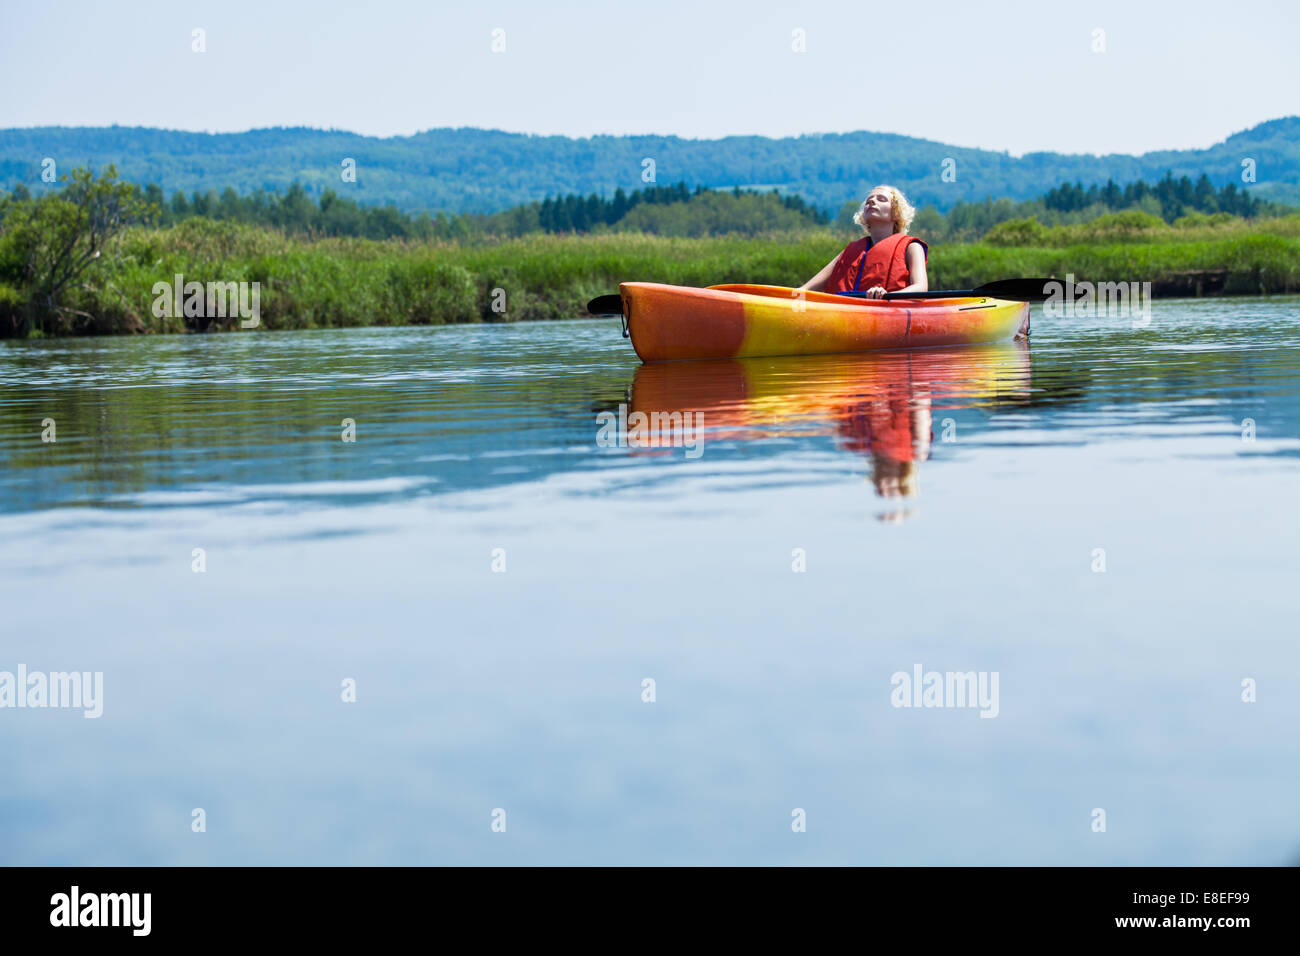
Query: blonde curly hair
x=903, y=211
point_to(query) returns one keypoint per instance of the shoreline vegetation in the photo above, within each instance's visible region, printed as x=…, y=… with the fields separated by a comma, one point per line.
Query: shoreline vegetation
x=88, y=261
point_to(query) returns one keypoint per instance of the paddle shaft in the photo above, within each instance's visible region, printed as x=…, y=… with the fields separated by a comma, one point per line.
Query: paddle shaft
x=933, y=294
x=1024, y=290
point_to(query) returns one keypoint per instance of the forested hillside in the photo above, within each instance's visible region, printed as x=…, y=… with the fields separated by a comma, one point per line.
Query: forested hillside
x=486, y=171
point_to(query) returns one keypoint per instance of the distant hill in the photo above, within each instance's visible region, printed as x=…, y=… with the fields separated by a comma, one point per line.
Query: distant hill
x=475, y=170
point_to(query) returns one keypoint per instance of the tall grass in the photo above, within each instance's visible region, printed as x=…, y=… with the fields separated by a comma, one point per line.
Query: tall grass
x=352, y=282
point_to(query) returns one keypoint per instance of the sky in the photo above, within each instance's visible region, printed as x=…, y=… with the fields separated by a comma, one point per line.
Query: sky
x=1019, y=76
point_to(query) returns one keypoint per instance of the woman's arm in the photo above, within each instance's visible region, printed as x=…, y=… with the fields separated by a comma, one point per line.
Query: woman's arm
x=818, y=282
x=916, y=269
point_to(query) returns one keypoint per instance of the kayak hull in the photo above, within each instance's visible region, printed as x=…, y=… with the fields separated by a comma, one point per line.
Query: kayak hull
x=669, y=322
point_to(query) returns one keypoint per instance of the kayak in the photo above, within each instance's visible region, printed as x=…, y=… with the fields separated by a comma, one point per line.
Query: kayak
x=669, y=322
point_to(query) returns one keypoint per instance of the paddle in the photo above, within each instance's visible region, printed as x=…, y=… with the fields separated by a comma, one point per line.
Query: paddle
x=1016, y=290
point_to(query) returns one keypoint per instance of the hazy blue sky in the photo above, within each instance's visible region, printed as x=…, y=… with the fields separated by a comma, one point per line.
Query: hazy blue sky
x=1020, y=76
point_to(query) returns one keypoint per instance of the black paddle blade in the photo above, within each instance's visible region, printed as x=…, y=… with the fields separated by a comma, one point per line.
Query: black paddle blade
x=606, y=305
x=1020, y=290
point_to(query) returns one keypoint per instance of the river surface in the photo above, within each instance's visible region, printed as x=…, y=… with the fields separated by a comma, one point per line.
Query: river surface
x=500, y=619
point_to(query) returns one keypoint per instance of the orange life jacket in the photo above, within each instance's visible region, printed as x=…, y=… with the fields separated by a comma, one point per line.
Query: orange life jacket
x=864, y=264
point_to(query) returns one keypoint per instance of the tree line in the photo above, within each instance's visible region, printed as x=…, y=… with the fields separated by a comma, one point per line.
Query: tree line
x=675, y=210
x=573, y=213
x=1071, y=204
x=743, y=211
x=1177, y=197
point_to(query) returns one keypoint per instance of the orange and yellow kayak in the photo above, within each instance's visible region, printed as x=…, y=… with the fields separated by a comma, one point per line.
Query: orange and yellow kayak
x=740, y=321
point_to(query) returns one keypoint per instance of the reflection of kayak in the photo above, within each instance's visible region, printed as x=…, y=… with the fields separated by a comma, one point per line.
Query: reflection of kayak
x=830, y=394
x=739, y=321
x=881, y=405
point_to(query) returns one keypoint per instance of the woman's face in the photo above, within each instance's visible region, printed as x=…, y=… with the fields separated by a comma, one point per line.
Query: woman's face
x=879, y=206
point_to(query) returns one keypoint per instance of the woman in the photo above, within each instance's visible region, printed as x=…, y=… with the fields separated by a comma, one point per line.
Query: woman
x=886, y=259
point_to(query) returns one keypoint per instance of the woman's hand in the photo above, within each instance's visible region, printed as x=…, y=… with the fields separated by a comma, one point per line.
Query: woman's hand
x=875, y=292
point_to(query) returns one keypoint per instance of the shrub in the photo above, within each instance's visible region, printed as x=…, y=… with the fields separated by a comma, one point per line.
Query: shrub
x=1018, y=232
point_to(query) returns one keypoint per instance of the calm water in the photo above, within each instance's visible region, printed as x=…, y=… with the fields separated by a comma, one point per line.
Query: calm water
x=952, y=510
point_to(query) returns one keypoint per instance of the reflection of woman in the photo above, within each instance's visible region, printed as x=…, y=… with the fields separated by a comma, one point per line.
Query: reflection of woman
x=896, y=433
x=886, y=259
